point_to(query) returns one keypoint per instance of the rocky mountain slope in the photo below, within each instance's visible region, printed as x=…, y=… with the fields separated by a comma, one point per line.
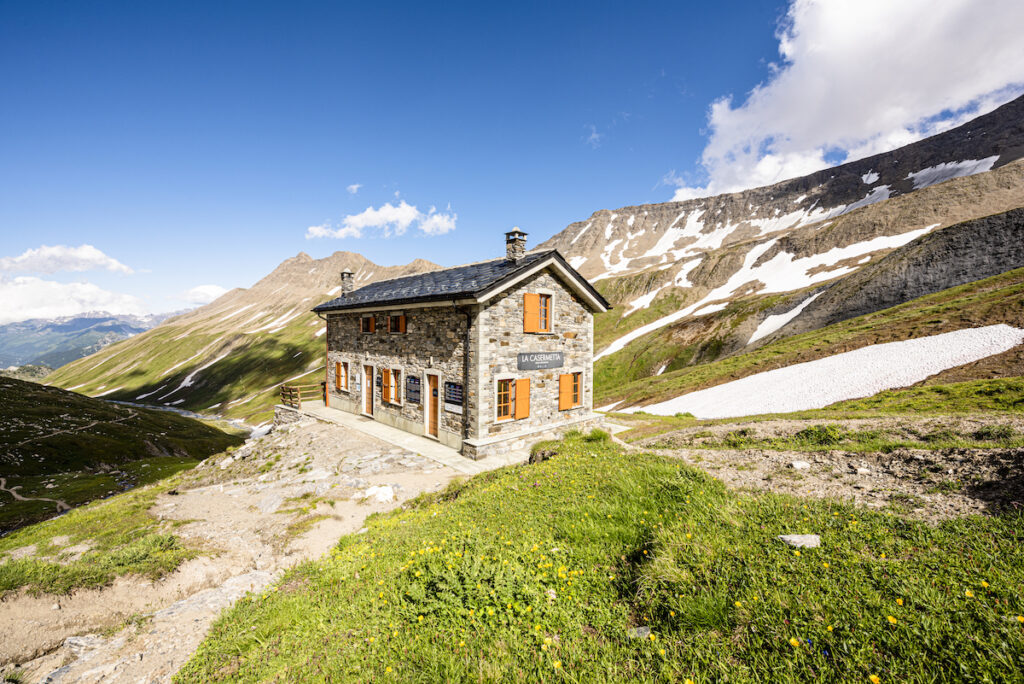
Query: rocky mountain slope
x=676, y=235
x=956, y=255
x=700, y=280
x=229, y=357
x=53, y=342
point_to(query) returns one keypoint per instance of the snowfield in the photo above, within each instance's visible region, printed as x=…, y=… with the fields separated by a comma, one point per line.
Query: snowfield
x=851, y=375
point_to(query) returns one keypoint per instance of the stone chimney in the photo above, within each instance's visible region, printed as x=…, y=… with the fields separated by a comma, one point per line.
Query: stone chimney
x=515, y=244
x=347, y=282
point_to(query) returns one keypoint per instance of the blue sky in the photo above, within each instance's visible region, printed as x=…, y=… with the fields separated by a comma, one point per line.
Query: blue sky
x=197, y=143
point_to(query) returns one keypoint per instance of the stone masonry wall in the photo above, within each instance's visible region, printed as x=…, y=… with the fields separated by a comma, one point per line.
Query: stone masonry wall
x=434, y=340
x=502, y=339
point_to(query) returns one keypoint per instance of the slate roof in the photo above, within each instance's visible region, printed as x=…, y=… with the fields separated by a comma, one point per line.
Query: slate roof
x=459, y=282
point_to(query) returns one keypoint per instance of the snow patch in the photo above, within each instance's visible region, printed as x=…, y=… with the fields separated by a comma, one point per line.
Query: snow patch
x=320, y=332
x=577, y=261
x=852, y=375
x=148, y=394
x=580, y=234
x=782, y=273
x=944, y=172
x=109, y=391
x=773, y=323
x=190, y=378
x=870, y=177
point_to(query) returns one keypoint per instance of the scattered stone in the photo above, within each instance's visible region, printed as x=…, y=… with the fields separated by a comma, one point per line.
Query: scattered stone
x=639, y=632
x=863, y=471
x=381, y=494
x=800, y=465
x=55, y=606
x=270, y=504
x=226, y=462
x=801, y=541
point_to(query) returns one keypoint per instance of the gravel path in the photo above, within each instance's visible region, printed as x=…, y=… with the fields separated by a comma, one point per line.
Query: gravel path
x=852, y=375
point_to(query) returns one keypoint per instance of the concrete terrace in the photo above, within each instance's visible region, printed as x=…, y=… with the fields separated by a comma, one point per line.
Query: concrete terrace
x=424, y=446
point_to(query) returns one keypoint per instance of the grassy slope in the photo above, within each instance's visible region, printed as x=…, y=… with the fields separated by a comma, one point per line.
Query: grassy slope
x=123, y=539
x=538, y=572
x=87, y=448
x=999, y=299
x=242, y=385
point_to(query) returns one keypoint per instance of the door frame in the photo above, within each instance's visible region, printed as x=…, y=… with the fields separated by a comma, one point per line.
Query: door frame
x=362, y=395
x=426, y=404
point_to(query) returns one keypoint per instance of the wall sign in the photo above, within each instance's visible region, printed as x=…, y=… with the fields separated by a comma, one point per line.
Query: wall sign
x=412, y=389
x=539, y=360
x=453, y=397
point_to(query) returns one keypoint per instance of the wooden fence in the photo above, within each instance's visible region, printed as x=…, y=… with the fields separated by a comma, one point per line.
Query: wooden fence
x=293, y=395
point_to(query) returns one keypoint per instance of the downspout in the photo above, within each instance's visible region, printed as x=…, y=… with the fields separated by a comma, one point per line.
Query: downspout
x=468, y=312
x=327, y=362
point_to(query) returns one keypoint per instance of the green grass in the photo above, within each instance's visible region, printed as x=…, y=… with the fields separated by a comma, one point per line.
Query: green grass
x=61, y=445
x=999, y=299
x=833, y=436
x=123, y=537
x=538, y=573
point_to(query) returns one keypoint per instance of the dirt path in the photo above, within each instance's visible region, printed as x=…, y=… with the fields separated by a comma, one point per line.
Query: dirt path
x=133, y=414
x=13, y=491
x=279, y=500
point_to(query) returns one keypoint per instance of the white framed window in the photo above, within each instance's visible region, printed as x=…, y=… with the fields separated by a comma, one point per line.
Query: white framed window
x=342, y=377
x=391, y=386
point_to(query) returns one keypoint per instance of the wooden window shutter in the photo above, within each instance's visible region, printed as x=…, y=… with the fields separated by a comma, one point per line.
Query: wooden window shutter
x=564, y=392
x=522, y=398
x=373, y=324
x=337, y=375
x=385, y=385
x=401, y=323
x=531, y=313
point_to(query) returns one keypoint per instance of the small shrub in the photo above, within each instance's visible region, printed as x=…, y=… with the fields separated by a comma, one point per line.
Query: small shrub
x=821, y=435
x=685, y=415
x=943, y=435
x=994, y=433
x=598, y=435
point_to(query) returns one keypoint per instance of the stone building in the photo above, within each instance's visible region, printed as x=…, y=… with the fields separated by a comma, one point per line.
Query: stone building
x=484, y=357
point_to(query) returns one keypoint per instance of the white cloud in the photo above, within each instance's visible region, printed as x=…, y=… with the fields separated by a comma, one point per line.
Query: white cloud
x=28, y=297
x=386, y=221
x=203, y=294
x=593, y=138
x=48, y=259
x=437, y=223
x=354, y=188
x=858, y=77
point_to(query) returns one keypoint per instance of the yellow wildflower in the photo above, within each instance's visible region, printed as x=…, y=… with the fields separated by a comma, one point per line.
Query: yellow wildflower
x=984, y=584
x=891, y=619
x=829, y=628
x=794, y=642
x=739, y=604
x=969, y=594
x=874, y=679
x=558, y=664
x=387, y=669
x=899, y=602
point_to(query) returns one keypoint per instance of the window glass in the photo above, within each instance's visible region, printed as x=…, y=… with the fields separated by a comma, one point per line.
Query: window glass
x=505, y=399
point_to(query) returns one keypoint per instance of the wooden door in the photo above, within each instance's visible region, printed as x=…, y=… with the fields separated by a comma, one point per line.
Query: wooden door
x=368, y=389
x=433, y=404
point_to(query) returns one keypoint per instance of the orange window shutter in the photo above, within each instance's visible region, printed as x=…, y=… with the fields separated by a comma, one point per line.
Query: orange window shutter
x=373, y=324
x=401, y=323
x=564, y=392
x=385, y=385
x=531, y=313
x=522, y=398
